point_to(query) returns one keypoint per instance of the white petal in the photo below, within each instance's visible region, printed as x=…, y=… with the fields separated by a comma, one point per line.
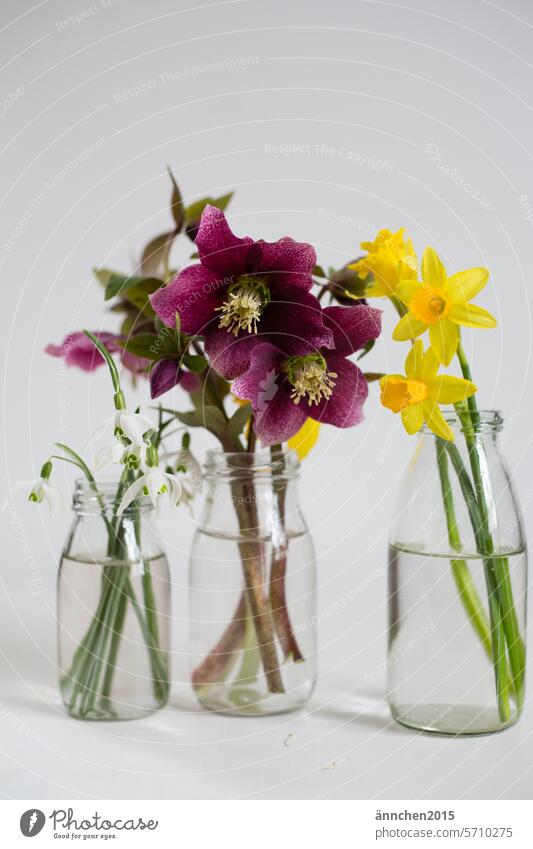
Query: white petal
x=131, y=493
x=29, y=485
x=98, y=432
x=154, y=482
x=134, y=425
x=176, y=489
x=54, y=499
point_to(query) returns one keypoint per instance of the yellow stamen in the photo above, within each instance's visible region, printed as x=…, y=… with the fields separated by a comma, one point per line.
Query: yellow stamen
x=310, y=379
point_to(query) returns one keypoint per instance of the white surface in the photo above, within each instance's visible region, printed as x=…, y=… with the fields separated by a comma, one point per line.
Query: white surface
x=368, y=86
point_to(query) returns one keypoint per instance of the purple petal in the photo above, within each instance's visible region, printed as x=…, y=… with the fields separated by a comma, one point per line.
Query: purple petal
x=276, y=416
x=195, y=293
x=78, y=350
x=345, y=407
x=295, y=323
x=288, y=264
x=229, y=355
x=352, y=327
x=190, y=382
x=164, y=376
x=220, y=250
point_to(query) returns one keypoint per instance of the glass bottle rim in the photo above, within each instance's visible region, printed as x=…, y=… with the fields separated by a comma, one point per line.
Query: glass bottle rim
x=250, y=464
x=86, y=499
x=484, y=421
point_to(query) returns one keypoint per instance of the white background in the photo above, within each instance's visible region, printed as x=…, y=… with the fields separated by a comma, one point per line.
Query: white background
x=133, y=87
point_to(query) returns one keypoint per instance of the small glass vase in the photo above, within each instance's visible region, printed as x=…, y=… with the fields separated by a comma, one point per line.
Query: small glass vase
x=457, y=585
x=113, y=609
x=252, y=588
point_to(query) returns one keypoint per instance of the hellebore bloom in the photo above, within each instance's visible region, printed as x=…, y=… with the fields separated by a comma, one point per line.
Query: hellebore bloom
x=441, y=303
x=389, y=260
x=285, y=389
x=78, y=350
x=417, y=395
x=242, y=293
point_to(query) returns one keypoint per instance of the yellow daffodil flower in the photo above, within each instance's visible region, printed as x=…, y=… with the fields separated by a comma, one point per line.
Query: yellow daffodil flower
x=441, y=303
x=417, y=395
x=390, y=258
x=303, y=441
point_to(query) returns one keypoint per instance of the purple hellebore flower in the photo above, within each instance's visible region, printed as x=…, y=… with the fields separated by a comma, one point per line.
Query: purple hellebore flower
x=286, y=389
x=78, y=350
x=167, y=373
x=242, y=293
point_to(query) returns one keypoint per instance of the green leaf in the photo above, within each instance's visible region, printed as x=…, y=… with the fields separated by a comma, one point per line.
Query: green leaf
x=104, y=275
x=371, y=376
x=121, y=285
x=208, y=417
x=195, y=363
x=368, y=347
x=176, y=204
x=318, y=271
x=155, y=253
x=142, y=345
x=238, y=421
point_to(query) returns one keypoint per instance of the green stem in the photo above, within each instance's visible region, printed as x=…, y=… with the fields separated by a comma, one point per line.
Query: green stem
x=497, y=567
x=461, y=573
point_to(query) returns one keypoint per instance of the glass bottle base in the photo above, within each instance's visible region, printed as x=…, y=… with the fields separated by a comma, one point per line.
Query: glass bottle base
x=451, y=720
x=245, y=701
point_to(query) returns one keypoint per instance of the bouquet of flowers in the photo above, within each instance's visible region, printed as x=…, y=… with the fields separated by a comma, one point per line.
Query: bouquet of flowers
x=432, y=301
x=240, y=327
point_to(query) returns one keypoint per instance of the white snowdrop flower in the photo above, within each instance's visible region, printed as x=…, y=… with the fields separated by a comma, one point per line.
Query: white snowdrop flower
x=153, y=482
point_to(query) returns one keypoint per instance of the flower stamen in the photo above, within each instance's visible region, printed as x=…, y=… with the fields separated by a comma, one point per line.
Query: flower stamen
x=242, y=309
x=310, y=379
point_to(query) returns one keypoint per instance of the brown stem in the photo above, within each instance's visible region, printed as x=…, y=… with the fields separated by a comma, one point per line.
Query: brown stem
x=278, y=568
x=212, y=668
x=252, y=563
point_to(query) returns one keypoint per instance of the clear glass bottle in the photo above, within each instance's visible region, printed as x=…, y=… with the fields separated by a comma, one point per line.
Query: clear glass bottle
x=113, y=609
x=457, y=585
x=252, y=588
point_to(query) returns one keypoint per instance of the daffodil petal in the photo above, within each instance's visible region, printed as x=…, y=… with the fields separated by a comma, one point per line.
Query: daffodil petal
x=413, y=418
x=407, y=328
x=433, y=271
x=450, y=390
x=470, y=315
x=406, y=289
x=465, y=285
x=414, y=360
x=430, y=366
x=444, y=338
x=435, y=420
x=303, y=441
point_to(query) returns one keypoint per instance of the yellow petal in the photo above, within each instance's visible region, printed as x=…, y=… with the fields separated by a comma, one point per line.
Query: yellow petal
x=414, y=359
x=444, y=338
x=435, y=420
x=303, y=441
x=471, y=316
x=433, y=271
x=406, y=289
x=413, y=418
x=465, y=285
x=394, y=392
x=407, y=328
x=430, y=366
x=447, y=389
